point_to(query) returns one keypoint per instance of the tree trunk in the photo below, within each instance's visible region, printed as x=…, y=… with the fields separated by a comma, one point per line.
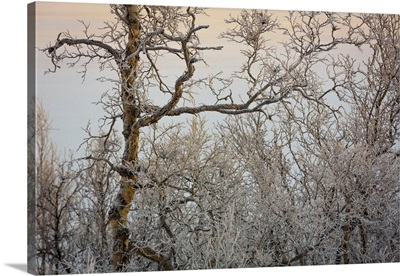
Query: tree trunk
x=118, y=214
x=343, y=251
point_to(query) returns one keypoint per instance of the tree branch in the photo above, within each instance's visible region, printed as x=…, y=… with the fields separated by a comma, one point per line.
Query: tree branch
x=151, y=254
x=120, y=169
x=73, y=42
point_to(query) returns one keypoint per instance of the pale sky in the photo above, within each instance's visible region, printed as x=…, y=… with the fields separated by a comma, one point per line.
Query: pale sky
x=68, y=101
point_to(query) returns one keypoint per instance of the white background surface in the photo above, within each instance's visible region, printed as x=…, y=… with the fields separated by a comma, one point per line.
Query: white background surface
x=13, y=130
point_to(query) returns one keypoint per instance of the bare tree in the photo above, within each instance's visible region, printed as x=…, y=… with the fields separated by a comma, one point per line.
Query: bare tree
x=54, y=198
x=345, y=158
x=96, y=185
x=278, y=77
x=45, y=164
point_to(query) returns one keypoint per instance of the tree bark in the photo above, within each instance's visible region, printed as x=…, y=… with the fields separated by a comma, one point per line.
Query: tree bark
x=118, y=215
x=343, y=251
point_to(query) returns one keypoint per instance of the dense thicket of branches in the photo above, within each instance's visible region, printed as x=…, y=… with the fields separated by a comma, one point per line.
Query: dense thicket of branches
x=303, y=170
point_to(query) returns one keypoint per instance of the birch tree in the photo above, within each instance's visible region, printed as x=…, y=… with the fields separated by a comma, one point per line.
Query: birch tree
x=96, y=183
x=141, y=37
x=345, y=158
x=55, y=198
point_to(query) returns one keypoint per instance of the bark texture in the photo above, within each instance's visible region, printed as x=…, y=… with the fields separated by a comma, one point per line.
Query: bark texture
x=118, y=215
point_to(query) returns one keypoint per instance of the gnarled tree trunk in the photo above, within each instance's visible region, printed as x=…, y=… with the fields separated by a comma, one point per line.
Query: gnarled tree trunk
x=118, y=215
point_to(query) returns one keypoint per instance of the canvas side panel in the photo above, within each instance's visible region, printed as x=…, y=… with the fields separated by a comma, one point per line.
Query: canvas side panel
x=31, y=257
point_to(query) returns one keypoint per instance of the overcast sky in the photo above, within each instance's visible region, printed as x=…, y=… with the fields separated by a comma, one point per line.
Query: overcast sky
x=69, y=101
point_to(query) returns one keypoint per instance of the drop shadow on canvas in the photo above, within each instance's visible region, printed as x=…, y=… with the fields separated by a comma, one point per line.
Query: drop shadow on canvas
x=20, y=267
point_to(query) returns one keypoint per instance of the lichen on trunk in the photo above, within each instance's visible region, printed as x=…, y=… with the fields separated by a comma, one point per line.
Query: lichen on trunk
x=118, y=215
